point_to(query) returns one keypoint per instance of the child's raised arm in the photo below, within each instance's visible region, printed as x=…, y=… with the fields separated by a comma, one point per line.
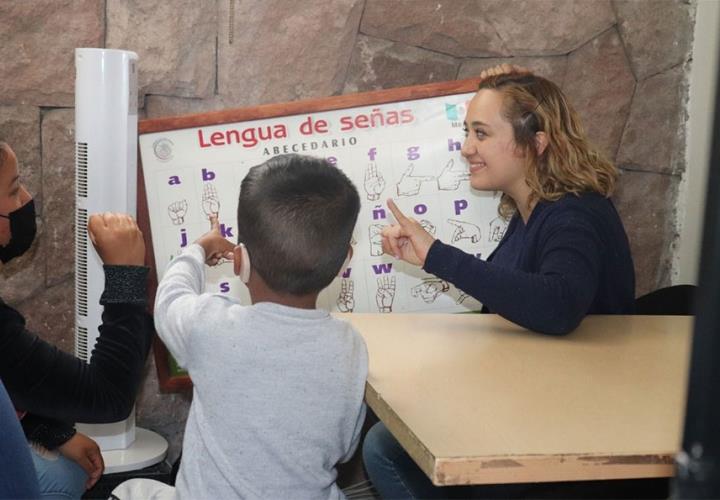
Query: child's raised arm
x=180, y=303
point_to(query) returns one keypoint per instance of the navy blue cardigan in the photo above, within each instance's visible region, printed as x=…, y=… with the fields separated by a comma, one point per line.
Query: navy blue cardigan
x=572, y=258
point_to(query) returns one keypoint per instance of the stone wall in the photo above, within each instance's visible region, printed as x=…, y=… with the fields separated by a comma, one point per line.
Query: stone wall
x=623, y=63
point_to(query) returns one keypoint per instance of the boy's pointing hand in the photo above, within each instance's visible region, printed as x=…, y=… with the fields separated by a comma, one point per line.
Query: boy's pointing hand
x=216, y=247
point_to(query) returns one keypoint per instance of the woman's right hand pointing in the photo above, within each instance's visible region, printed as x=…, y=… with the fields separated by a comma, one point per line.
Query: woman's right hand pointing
x=406, y=240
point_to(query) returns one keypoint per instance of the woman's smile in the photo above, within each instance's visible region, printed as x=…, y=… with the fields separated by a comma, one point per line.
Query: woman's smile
x=476, y=166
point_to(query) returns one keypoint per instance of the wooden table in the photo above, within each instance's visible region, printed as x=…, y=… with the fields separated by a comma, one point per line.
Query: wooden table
x=475, y=399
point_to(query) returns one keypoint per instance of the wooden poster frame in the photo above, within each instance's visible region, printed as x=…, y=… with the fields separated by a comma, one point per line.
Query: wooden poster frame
x=168, y=381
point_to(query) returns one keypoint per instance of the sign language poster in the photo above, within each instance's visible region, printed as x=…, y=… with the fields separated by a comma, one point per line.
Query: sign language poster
x=409, y=151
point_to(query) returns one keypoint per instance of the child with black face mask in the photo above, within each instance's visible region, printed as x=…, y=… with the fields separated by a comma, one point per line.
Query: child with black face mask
x=51, y=389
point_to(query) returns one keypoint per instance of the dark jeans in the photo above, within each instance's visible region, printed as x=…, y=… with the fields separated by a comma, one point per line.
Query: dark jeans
x=17, y=473
x=391, y=470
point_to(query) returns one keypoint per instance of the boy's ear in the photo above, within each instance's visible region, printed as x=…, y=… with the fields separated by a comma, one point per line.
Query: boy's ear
x=237, y=256
x=241, y=263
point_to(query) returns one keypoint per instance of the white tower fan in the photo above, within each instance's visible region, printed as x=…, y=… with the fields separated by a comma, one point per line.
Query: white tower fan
x=106, y=102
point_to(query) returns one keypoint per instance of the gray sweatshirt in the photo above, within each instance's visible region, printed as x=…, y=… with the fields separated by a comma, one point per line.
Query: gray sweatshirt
x=277, y=396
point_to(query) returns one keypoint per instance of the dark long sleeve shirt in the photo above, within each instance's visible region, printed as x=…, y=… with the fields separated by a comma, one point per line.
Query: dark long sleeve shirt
x=49, y=383
x=572, y=258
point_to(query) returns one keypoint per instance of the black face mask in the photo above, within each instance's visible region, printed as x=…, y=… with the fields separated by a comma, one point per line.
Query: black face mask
x=22, y=230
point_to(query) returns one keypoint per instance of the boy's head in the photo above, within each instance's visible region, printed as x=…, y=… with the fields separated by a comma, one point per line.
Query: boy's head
x=296, y=216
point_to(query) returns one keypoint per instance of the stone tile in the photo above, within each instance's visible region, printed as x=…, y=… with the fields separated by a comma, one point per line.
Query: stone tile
x=58, y=144
x=600, y=86
x=551, y=67
x=646, y=202
x=380, y=64
x=458, y=28
x=51, y=315
x=657, y=34
x=24, y=276
x=160, y=106
x=175, y=43
x=20, y=128
x=548, y=27
x=654, y=137
x=278, y=52
x=164, y=413
x=37, y=42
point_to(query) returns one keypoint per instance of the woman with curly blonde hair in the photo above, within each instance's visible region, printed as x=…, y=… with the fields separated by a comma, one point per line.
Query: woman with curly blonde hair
x=564, y=254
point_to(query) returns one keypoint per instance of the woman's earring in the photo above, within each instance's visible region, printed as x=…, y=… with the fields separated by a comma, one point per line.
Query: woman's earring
x=245, y=265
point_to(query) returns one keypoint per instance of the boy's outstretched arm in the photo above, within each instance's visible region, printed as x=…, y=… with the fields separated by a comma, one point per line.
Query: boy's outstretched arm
x=180, y=301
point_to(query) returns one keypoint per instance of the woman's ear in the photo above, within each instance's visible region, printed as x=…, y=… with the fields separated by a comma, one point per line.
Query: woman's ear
x=541, y=142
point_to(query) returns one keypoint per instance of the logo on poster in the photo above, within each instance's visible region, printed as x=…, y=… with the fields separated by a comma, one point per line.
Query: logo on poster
x=455, y=113
x=163, y=149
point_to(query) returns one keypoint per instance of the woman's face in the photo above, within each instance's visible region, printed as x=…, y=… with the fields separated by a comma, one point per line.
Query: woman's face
x=13, y=194
x=489, y=147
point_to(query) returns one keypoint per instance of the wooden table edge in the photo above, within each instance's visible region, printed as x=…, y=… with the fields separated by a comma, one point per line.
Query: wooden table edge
x=518, y=469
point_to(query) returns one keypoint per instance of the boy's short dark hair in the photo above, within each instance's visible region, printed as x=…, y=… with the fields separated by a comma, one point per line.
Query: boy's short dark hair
x=296, y=216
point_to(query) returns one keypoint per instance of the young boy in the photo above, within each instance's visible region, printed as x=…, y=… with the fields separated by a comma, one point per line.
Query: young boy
x=278, y=385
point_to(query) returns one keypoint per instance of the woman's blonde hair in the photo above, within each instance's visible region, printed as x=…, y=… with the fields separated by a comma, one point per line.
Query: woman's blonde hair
x=569, y=164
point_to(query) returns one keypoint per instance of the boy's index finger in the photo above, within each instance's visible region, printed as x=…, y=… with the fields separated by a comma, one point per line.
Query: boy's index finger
x=214, y=222
x=399, y=216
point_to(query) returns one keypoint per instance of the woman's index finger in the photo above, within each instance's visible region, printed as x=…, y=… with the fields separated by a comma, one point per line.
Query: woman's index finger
x=399, y=216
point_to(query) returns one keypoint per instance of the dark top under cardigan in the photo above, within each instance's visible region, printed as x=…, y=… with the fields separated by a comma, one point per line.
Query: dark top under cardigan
x=572, y=258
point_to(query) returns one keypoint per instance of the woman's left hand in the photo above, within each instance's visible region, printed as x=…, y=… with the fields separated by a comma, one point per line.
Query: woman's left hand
x=86, y=453
x=407, y=240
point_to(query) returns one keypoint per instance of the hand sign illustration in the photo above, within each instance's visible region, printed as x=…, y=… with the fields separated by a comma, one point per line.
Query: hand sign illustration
x=385, y=293
x=428, y=226
x=464, y=231
x=429, y=289
x=177, y=211
x=375, y=234
x=346, y=299
x=451, y=176
x=374, y=182
x=409, y=184
x=210, y=201
x=497, y=229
